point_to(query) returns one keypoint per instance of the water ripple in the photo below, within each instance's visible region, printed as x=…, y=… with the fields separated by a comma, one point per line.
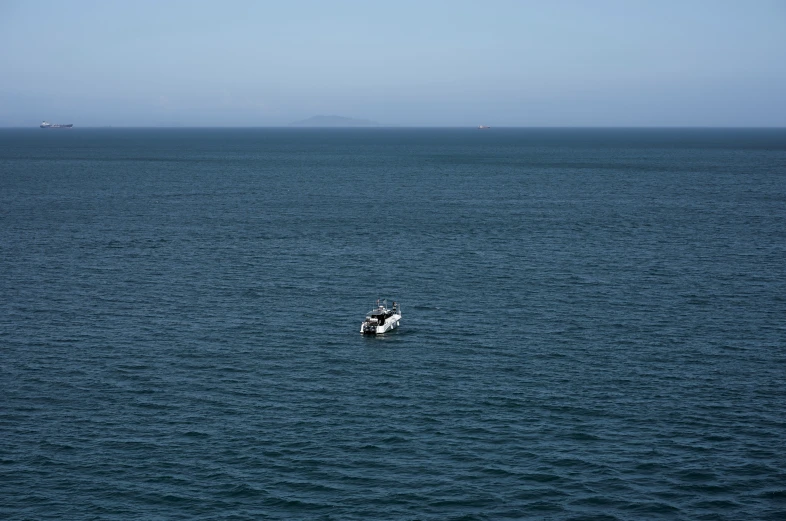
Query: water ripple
x=591, y=331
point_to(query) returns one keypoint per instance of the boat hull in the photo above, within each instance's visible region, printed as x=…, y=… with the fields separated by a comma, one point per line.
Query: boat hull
x=390, y=324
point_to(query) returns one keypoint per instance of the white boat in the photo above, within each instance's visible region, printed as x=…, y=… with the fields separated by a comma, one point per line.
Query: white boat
x=381, y=319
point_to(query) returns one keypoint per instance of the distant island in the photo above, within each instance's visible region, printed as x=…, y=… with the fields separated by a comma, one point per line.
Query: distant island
x=334, y=121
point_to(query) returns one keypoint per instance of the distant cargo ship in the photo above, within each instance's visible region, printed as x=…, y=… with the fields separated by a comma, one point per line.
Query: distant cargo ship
x=483, y=127
x=46, y=124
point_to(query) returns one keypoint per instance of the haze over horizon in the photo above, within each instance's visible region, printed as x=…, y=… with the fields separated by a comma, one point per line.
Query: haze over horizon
x=503, y=63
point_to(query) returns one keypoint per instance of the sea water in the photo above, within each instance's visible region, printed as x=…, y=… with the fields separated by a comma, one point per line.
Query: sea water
x=593, y=324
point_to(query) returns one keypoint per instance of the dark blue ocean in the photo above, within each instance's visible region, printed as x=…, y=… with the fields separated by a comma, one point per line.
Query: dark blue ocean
x=594, y=324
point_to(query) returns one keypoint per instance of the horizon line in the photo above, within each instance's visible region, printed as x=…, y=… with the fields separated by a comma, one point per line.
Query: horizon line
x=371, y=127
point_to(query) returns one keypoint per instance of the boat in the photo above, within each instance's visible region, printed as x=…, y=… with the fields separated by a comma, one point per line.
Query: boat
x=46, y=124
x=483, y=127
x=381, y=319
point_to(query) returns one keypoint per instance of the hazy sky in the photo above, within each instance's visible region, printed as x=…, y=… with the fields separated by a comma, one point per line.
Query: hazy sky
x=441, y=63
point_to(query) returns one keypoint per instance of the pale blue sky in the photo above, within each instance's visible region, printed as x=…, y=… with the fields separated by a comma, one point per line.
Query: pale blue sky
x=408, y=63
